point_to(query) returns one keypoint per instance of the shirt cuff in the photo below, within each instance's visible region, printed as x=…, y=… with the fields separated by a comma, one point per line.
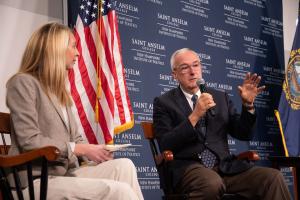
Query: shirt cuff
x=72, y=145
x=251, y=111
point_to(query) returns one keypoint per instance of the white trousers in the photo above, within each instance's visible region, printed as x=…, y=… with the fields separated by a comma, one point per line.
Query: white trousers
x=111, y=180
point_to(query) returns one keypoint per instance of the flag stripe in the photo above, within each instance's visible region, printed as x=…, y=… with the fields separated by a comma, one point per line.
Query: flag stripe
x=103, y=77
x=105, y=37
x=119, y=91
x=91, y=93
x=98, y=43
x=121, y=73
x=86, y=60
x=85, y=123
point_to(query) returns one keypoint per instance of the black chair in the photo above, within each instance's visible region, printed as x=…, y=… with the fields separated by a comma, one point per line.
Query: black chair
x=4, y=132
x=162, y=160
x=11, y=164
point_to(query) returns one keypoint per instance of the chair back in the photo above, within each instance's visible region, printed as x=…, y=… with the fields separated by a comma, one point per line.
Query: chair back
x=12, y=165
x=150, y=136
x=161, y=161
x=4, y=132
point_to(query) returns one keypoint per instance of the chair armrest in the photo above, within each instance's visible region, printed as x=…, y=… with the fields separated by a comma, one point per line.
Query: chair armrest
x=166, y=156
x=248, y=155
x=51, y=153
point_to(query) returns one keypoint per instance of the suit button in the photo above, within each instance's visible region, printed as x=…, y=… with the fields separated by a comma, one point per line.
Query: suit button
x=206, y=143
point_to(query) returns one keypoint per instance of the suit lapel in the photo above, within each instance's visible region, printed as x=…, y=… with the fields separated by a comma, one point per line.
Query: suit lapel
x=182, y=103
x=210, y=91
x=57, y=107
x=72, y=125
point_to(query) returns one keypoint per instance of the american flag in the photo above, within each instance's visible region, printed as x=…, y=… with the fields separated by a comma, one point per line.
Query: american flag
x=97, y=81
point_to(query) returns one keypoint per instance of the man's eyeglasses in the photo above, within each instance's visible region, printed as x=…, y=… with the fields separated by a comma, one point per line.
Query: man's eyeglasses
x=184, y=68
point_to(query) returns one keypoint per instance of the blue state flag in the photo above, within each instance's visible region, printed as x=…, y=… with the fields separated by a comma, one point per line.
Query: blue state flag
x=288, y=113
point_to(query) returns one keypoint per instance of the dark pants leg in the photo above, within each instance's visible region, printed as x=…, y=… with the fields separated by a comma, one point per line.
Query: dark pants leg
x=201, y=183
x=258, y=183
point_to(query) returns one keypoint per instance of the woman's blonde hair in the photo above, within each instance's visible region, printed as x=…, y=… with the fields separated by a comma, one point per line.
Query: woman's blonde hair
x=45, y=58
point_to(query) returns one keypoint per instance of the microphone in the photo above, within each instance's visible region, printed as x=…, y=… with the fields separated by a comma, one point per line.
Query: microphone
x=201, y=84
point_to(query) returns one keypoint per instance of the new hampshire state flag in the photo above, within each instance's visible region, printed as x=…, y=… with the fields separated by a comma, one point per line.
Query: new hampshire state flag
x=288, y=114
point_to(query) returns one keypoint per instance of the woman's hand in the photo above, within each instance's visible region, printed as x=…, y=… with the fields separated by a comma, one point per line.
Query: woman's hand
x=96, y=153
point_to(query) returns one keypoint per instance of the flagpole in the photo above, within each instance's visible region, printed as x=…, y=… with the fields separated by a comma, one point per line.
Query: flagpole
x=286, y=153
x=98, y=79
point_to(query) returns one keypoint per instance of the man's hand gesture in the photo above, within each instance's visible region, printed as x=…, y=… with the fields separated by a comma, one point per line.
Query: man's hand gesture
x=249, y=89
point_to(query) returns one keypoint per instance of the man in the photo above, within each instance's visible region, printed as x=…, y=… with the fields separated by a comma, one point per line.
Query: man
x=190, y=129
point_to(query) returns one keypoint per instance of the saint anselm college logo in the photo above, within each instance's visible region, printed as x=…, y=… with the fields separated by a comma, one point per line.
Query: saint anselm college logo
x=291, y=85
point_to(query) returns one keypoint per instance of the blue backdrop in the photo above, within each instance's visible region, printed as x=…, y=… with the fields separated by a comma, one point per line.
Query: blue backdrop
x=231, y=38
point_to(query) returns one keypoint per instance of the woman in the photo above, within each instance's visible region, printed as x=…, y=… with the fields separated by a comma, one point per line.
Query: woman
x=40, y=110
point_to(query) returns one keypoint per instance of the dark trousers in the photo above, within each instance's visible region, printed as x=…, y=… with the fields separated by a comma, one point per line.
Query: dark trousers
x=259, y=183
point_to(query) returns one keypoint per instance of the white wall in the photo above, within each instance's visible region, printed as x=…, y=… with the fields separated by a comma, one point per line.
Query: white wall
x=290, y=14
x=18, y=19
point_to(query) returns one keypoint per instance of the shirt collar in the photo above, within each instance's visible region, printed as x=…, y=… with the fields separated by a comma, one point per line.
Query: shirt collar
x=189, y=96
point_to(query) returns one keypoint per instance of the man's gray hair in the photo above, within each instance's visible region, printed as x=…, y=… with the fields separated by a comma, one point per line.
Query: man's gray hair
x=179, y=51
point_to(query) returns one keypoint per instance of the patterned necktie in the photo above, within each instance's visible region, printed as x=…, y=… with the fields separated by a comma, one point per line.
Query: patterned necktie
x=207, y=157
x=194, y=100
x=201, y=124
